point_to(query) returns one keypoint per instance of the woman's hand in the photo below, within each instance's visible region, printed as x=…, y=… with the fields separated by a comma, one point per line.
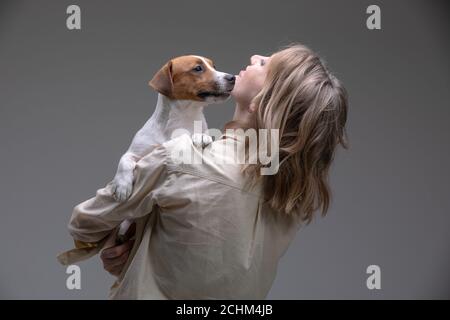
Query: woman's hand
x=114, y=258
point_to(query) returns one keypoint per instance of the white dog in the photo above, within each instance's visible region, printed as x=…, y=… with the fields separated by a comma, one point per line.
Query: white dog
x=185, y=85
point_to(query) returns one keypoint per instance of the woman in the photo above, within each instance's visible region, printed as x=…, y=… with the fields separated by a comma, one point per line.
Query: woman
x=201, y=232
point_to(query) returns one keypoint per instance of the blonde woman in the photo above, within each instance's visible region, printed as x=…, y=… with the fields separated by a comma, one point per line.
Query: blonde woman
x=201, y=232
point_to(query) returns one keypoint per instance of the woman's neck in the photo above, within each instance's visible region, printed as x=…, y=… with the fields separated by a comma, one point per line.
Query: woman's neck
x=242, y=119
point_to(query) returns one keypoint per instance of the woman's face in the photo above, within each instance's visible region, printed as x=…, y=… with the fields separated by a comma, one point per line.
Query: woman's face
x=250, y=81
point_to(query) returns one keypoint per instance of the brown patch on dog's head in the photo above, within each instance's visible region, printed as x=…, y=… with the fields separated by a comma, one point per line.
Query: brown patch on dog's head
x=186, y=78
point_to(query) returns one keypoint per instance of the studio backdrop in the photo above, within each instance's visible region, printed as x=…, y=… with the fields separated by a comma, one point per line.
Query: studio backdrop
x=74, y=92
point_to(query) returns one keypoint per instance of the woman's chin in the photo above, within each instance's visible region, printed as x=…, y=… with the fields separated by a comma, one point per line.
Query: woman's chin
x=235, y=92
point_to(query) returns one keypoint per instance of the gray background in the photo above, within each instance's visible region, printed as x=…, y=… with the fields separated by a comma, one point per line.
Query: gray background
x=70, y=102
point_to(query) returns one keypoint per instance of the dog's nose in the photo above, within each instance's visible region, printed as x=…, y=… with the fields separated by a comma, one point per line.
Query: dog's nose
x=230, y=78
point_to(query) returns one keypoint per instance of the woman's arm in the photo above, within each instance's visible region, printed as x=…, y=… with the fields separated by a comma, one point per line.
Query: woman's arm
x=94, y=219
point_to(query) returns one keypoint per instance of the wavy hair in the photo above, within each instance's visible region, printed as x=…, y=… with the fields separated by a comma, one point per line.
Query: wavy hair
x=308, y=105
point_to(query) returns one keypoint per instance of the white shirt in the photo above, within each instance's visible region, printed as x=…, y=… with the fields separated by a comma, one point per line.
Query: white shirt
x=199, y=235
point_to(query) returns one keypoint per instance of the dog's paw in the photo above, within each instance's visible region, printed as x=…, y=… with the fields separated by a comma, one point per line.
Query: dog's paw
x=201, y=140
x=121, y=190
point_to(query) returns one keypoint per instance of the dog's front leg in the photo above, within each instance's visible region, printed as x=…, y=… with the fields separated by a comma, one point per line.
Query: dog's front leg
x=122, y=184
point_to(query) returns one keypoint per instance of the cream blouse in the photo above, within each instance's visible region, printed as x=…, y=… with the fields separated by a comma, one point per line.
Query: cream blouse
x=199, y=234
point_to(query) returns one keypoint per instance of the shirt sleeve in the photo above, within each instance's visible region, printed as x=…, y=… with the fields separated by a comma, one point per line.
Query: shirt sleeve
x=94, y=219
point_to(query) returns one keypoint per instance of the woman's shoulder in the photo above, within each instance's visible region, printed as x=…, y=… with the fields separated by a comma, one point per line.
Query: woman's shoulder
x=215, y=161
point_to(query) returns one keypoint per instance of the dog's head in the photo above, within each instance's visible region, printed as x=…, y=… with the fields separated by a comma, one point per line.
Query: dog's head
x=193, y=78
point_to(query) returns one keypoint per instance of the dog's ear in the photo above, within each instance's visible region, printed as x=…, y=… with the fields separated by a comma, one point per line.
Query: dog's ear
x=162, y=82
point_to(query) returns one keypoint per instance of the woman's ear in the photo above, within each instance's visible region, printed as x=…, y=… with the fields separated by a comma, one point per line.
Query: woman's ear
x=162, y=81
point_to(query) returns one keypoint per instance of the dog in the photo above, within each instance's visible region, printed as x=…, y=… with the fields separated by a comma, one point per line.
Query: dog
x=185, y=85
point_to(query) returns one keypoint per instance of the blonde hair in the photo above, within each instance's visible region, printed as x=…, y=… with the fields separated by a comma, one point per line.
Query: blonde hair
x=308, y=105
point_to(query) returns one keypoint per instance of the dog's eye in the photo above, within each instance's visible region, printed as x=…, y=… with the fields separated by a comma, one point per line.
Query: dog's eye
x=198, y=68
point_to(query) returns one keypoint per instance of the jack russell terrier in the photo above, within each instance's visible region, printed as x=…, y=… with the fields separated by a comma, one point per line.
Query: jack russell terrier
x=185, y=85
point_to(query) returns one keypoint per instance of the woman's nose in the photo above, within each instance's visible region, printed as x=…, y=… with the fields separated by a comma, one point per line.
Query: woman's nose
x=253, y=58
x=256, y=57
